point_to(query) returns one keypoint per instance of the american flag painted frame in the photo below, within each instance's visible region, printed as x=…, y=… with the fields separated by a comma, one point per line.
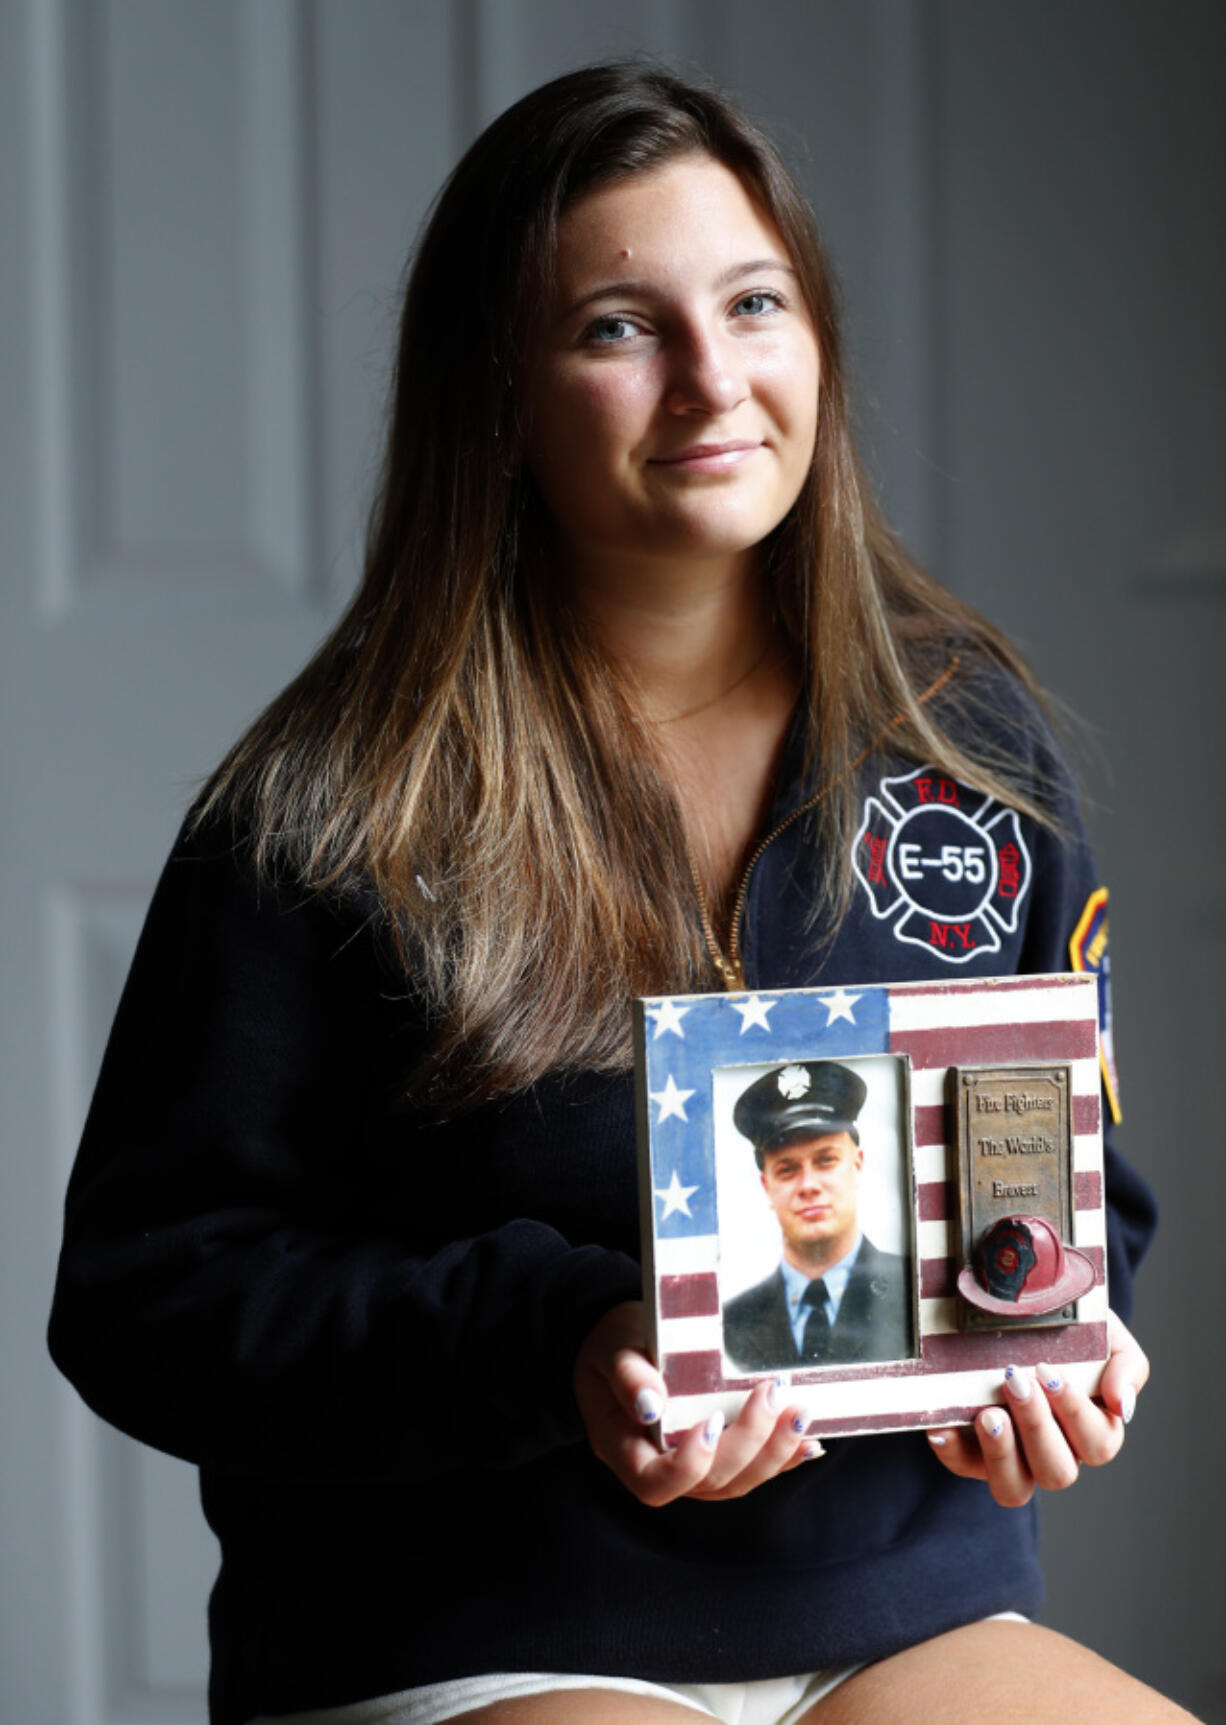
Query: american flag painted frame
x=682, y=1046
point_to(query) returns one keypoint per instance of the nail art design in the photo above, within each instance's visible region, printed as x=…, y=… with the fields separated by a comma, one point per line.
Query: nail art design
x=993, y=1423
x=712, y=1429
x=1053, y=1383
x=799, y=1423
x=1128, y=1405
x=1017, y=1379
x=648, y=1406
x=813, y=1450
x=774, y=1395
x=938, y=1440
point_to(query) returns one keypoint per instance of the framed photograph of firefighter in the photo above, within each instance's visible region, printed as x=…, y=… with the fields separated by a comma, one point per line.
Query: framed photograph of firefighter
x=885, y=1192
x=813, y=1183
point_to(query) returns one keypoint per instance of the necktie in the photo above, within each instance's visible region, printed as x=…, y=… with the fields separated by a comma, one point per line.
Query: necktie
x=815, y=1343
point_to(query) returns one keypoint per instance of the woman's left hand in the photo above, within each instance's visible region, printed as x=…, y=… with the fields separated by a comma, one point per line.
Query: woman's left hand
x=1055, y=1428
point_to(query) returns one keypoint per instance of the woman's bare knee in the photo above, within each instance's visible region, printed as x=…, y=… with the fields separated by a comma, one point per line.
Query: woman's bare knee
x=1002, y=1671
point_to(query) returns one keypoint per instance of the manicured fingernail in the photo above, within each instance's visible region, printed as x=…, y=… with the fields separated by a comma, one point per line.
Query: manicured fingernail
x=1128, y=1405
x=812, y=1451
x=799, y=1422
x=648, y=1406
x=712, y=1429
x=1017, y=1380
x=1053, y=1383
x=938, y=1439
x=774, y=1395
x=993, y=1423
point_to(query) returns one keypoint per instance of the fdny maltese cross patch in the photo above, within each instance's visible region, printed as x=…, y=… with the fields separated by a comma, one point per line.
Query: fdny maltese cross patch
x=949, y=865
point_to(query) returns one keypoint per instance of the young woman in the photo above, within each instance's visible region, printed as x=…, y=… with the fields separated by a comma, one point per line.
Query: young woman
x=354, y=1221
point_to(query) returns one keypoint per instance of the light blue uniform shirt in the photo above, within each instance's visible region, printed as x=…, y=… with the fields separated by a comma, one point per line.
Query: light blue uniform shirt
x=795, y=1282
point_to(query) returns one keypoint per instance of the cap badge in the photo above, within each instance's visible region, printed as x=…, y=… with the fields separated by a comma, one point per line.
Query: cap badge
x=793, y=1081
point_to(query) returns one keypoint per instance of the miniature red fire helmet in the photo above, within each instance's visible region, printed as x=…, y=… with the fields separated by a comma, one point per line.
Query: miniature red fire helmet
x=1023, y=1268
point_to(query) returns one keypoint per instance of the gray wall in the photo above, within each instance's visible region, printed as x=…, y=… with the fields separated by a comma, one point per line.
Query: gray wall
x=205, y=205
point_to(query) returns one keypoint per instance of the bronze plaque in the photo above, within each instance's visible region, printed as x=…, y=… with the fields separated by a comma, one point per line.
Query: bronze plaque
x=1015, y=1154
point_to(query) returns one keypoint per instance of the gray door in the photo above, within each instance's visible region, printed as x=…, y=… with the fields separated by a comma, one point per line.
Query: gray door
x=201, y=249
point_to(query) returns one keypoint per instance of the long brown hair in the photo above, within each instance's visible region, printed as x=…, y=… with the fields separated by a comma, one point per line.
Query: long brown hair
x=459, y=742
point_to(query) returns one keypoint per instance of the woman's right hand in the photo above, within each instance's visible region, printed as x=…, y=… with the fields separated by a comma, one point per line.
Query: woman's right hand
x=621, y=1396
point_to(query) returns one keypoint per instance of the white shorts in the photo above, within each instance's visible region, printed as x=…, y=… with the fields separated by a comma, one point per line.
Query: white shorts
x=769, y=1701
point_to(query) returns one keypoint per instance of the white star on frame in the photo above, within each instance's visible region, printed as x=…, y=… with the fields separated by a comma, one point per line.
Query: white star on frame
x=671, y=1101
x=839, y=1005
x=676, y=1198
x=753, y=1011
x=668, y=1016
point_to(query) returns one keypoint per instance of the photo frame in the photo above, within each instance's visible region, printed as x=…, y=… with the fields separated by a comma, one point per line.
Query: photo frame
x=961, y=1125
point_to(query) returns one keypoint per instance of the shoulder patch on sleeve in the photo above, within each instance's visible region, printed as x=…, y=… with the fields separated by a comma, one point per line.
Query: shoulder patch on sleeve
x=1088, y=952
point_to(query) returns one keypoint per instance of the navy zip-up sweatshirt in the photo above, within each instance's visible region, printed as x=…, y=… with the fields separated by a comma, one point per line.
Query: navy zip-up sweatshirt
x=362, y=1327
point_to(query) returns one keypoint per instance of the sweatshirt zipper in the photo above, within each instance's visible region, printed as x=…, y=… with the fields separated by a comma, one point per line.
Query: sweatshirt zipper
x=729, y=963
